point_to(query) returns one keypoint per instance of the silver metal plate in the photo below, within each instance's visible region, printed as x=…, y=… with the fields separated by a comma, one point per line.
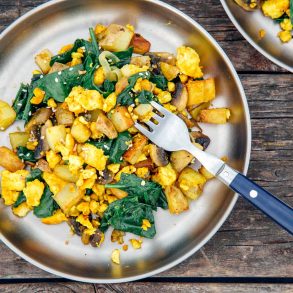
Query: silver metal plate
x=250, y=23
x=60, y=22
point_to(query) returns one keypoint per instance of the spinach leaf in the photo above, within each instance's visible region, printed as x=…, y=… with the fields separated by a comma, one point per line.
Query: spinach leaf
x=147, y=192
x=108, y=88
x=127, y=215
x=58, y=85
x=66, y=56
x=162, y=201
x=94, y=44
x=26, y=154
x=88, y=191
x=34, y=174
x=21, y=198
x=47, y=205
x=119, y=146
x=104, y=144
x=160, y=81
x=21, y=100
x=125, y=98
x=144, y=97
x=124, y=56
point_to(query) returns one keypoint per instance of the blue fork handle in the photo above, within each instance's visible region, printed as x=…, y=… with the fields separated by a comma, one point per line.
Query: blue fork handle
x=265, y=201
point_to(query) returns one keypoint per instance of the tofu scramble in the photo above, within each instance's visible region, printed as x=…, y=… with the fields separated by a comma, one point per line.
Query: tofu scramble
x=80, y=159
x=280, y=11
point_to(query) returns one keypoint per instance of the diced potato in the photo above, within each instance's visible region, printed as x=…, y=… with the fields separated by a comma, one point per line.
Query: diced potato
x=140, y=44
x=121, y=119
x=105, y=126
x=79, y=131
x=58, y=67
x=169, y=71
x=134, y=152
x=195, y=111
x=180, y=160
x=68, y=196
x=64, y=173
x=177, y=202
x=116, y=38
x=215, y=116
x=200, y=91
x=43, y=60
x=118, y=192
x=18, y=139
x=55, y=135
x=191, y=183
x=7, y=115
x=143, y=111
x=9, y=160
x=64, y=116
x=141, y=61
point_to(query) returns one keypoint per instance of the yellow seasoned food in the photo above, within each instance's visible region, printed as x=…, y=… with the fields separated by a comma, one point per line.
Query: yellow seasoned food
x=22, y=210
x=57, y=218
x=275, y=8
x=7, y=115
x=188, y=62
x=165, y=176
x=33, y=192
x=94, y=157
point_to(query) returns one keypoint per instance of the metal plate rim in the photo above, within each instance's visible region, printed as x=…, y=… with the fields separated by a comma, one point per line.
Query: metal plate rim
x=251, y=41
x=229, y=208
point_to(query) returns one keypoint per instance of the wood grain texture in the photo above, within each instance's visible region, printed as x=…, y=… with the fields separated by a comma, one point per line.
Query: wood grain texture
x=248, y=244
x=143, y=287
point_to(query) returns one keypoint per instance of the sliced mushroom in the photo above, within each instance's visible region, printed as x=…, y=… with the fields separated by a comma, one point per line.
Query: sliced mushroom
x=200, y=138
x=148, y=163
x=180, y=97
x=43, y=166
x=43, y=145
x=58, y=67
x=40, y=117
x=76, y=227
x=166, y=57
x=189, y=122
x=105, y=177
x=97, y=238
x=105, y=125
x=158, y=156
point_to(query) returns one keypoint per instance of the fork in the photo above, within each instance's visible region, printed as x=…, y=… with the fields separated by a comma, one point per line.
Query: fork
x=170, y=133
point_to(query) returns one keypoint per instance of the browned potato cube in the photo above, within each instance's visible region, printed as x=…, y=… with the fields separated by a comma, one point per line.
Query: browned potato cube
x=7, y=115
x=121, y=85
x=55, y=135
x=116, y=38
x=169, y=71
x=140, y=44
x=119, y=193
x=177, y=202
x=68, y=196
x=180, y=160
x=58, y=67
x=121, y=119
x=9, y=160
x=64, y=117
x=200, y=91
x=141, y=61
x=191, y=183
x=18, y=139
x=215, y=116
x=43, y=60
x=134, y=152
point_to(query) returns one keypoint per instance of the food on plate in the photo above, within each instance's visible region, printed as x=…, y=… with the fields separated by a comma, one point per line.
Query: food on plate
x=281, y=11
x=79, y=158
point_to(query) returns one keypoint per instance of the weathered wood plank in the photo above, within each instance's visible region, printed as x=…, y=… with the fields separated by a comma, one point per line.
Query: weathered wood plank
x=208, y=13
x=142, y=287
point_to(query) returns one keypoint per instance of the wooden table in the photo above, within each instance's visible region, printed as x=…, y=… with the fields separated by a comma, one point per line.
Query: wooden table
x=249, y=253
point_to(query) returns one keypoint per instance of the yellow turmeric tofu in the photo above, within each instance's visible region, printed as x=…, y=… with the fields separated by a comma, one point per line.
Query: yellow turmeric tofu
x=57, y=218
x=33, y=192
